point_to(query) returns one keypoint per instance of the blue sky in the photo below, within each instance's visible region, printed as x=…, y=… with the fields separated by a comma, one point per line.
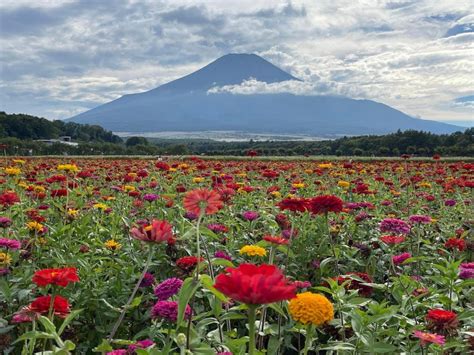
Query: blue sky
x=62, y=57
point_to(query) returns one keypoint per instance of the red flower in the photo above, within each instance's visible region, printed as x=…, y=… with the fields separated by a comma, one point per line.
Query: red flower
x=60, y=306
x=187, y=263
x=392, y=239
x=453, y=243
x=440, y=316
x=442, y=321
x=157, y=232
x=275, y=240
x=252, y=284
x=8, y=198
x=208, y=201
x=294, y=204
x=325, y=203
x=58, y=193
x=61, y=277
x=364, y=290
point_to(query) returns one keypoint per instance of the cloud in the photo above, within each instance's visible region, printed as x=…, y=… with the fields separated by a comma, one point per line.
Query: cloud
x=61, y=57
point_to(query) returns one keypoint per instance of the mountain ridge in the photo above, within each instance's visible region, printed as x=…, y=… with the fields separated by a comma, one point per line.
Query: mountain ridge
x=184, y=104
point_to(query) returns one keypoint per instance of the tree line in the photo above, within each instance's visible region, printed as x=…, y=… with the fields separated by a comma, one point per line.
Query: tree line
x=18, y=135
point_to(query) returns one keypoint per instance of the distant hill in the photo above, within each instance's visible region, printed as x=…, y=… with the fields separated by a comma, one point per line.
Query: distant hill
x=26, y=127
x=186, y=104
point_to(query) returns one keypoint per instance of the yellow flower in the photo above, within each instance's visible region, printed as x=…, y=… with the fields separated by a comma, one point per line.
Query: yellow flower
x=275, y=193
x=298, y=185
x=39, y=188
x=112, y=244
x=183, y=166
x=35, y=226
x=71, y=212
x=5, y=259
x=129, y=188
x=19, y=161
x=242, y=175
x=100, y=206
x=253, y=250
x=424, y=184
x=12, y=171
x=325, y=166
x=343, y=184
x=198, y=180
x=311, y=308
x=72, y=168
x=308, y=171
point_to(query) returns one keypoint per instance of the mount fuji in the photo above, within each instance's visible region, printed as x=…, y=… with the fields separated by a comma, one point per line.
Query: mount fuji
x=196, y=103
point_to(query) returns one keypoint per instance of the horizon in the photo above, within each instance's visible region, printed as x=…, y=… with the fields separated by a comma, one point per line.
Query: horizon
x=410, y=55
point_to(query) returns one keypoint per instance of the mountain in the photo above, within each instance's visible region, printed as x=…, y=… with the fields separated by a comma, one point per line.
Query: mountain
x=186, y=105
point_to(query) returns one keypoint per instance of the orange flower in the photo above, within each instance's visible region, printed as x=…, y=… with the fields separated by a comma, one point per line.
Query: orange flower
x=207, y=201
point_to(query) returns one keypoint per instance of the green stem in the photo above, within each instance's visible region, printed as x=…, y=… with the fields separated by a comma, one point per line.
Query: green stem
x=252, y=309
x=309, y=338
x=132, y=296
x=198, y=244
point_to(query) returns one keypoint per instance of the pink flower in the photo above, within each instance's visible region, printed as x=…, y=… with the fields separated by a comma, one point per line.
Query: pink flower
x=426, y=338
x=398, y=259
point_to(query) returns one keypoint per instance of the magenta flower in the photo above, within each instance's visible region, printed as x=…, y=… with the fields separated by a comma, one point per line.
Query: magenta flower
x=426, y=338
x=169, y=311
x=148, y=280
x=5, y=222
x=420, y=219
x=250, y=215
x=150, y=197
x=466, y=271
x=222, y=255
x=10, y=243
x=394, y=225
x=141, y=344
x=168, y=288
x=398, y=259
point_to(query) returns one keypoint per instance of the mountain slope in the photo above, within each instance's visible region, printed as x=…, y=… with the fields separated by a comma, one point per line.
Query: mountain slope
x=186, y=105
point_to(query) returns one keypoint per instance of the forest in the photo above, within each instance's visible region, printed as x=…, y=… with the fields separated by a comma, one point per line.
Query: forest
x=19, y=132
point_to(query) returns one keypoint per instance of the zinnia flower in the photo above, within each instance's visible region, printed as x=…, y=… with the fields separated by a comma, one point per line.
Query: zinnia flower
x=392, y=239
x=325, y=203
x=169, y=311
x=5, y=222
x=8, y=198
x=455, y=243
x=207, y=201
x=61, y=277
x=364, y=290
x=398, y=259
x=168, y=288
x=419, y=219
x=275, y=240
x=250, y=215
x=294, y=204
x=60, y=306
x=10, y=243
x=393, y=225
x=311, y=308
x=187, y=263
x=148, y=280
x=426, y=338
x=252, y=284
x=466, y=271
x=158, y=232
x=253, y=250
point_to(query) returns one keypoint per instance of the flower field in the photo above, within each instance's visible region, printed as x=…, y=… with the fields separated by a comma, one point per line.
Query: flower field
x=121, y=256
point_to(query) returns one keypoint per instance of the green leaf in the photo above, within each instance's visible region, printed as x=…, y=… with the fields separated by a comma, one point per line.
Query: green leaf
x=34, y=335
x=48, y=325
x=222, y=262
x=103, y=347
x=382, y=348
x=68, y=320
x=187, y=291
x=208, y=285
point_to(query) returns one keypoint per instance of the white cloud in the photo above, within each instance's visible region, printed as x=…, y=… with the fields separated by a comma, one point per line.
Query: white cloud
x=69, y=55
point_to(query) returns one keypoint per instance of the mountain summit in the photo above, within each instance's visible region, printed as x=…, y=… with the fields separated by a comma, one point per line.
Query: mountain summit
x=230, y=69
x=186, y=104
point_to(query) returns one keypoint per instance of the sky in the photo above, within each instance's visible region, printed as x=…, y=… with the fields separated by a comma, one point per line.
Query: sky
x=59, y=58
